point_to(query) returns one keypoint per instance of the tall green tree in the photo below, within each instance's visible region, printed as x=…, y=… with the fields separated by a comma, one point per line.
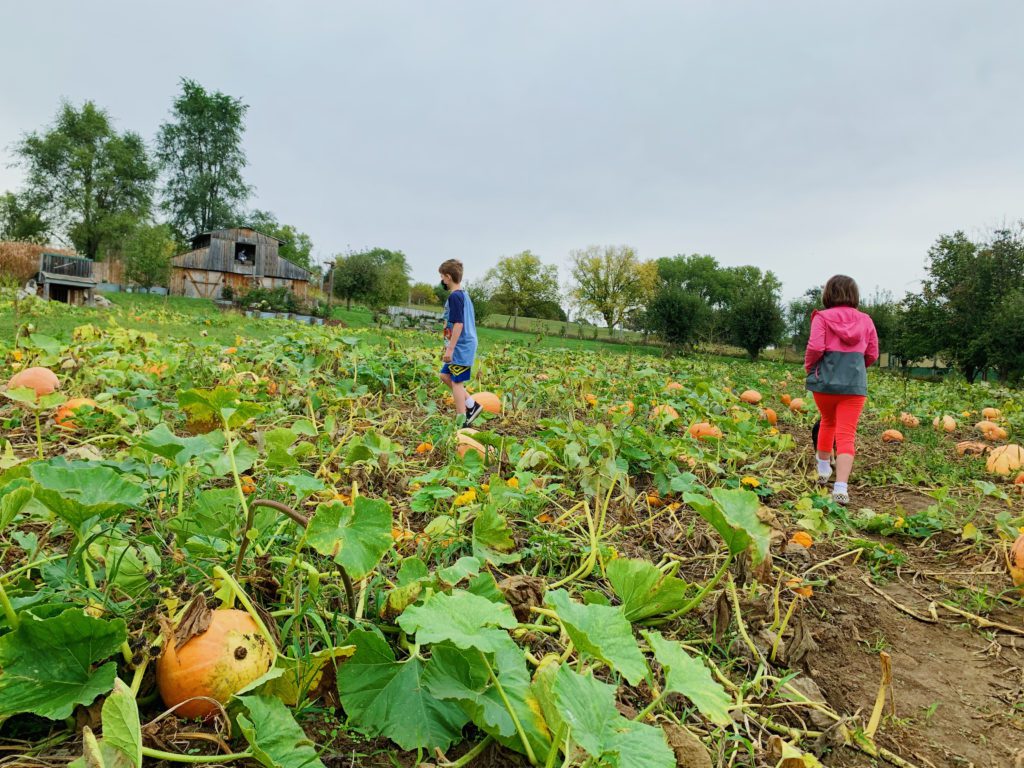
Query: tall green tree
x=147, y=255
x=1007, y=333
x=699, y=274
x=21, y=222
x=297, y=246
x=607, y=282
x=90, y=182
x=798, y=317
x=201, y=157
x=377, y=277
x=677, y=315
x=422, y=293
x=521, y=283
x=753, y=317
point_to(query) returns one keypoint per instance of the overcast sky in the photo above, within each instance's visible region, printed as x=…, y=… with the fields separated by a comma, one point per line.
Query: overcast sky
x=804, y=137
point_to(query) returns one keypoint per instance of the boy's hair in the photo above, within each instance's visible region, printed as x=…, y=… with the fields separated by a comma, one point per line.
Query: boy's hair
x=840, y=291
x=453, y=269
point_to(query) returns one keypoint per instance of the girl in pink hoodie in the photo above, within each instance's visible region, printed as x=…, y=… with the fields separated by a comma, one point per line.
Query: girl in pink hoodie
x=842, y=345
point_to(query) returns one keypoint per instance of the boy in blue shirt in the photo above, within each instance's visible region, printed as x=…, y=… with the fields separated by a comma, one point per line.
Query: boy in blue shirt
x=459, y=341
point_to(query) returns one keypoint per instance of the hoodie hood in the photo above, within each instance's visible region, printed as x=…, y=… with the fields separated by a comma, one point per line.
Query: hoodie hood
x=846, y=323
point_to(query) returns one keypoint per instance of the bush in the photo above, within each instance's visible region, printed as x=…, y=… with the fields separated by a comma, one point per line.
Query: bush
x=677, y=315
x=271, y=300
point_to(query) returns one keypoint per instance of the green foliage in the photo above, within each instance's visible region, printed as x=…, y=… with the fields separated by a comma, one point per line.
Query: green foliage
x=798, y=317
x=733, y=513
x=200, y=153
x=377, y=277
x=48, y=664
x=21, y=221
x=754, y=319
x=147, y=255
x=91, y=183
x=297, y=246
x=607, y=282
x=522, y=285
x=121, y=745
x=356, y=536
x=677, y=315
x=691, y=678
x=644, y=590
x=275, y=739
x=422, y=293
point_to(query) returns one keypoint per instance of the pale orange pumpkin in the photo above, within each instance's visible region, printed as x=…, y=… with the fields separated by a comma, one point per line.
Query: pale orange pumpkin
x=770, y=416
x=64, y=413
x=970, y=448
x=42, y=380
x=995, y=433
x=991, y=413
x=424, y=448
x=751, y=396
x=466, y=443
x=1005, y=460
x=217, y=663
x=705, y=431
x=796, y=405
x=542, y=377
x=802, y=538
x=489, y=401
x=984, y=426
x=664, y=411
x=909, y=420
x=944, y=423
x=673, y=386
x=892, y=436
x=786, y=399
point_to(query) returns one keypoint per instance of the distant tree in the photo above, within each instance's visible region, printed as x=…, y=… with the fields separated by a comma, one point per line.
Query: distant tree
x=354, y=277
x=377, y=277
x=440, y=293
x=698, y=274
x=607, y=282
x=521, y=283
x=91, y=183
x=798, y=317
x=886, y=314
x=753, y=316
x=297, y=246
x=915, y=338
x=200, y=153
x=422, y=293
x=147, y=255
x=479, y=294
x=21, y=222
x=548, y=310
x=1007, y=335
x=677, y=315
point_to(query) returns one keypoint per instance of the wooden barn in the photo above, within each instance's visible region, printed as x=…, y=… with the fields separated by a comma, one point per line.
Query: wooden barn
x=69, y=279
x=240, y=259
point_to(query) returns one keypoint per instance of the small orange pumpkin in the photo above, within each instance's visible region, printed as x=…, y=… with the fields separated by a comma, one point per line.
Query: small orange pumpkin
x=770, y=416
x=909, y=420
x=673, y=386
x=786, y=399
x=705, y=431
x=664, y=411
x=1017, y=562
x=751, y=396
x=802, y=538
x=796, y=405
x=63, y=416
x=42, y=380
x=970, y=448
x=995, y=433
x=944, y=423
x=424, y=448
x=217, y=663
x=892, y=436
x=248, y=485
x=466, y=443
x=798, y=586
x=991, y=413
x=1019, y=479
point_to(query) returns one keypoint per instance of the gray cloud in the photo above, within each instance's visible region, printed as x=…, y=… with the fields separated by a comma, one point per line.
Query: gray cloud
x=804, y=137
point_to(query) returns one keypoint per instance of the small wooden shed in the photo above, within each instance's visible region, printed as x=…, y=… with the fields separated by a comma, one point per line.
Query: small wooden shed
x=68, y=279
x=240, y=259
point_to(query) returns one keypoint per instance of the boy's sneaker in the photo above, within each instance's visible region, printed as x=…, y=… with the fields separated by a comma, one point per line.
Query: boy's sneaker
x=472, y=413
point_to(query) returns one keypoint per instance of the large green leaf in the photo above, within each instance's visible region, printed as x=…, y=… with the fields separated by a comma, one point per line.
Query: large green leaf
x=492, y=538
x=12, y=502
x=384, y=697
x=462, y=618
x=180, y=450
x=274, y=737
x=601, y=631
x=47, y=664
x=214, y=512
x=588, y=707
x=733, y=513
x=77, y=492
x=221, y=402
x=688, y=676
x=643, y=589
x=355, y=536
x=121, y=745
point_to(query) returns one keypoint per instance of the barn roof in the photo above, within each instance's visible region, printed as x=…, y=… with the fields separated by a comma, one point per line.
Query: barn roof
x=240, y=226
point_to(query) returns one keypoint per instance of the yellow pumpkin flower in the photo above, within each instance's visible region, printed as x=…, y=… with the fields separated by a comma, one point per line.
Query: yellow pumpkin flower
x=750, y=482
x=773, y=431
x=512, y=482
x=898, y=523
x=465, y=498
x=17, y=355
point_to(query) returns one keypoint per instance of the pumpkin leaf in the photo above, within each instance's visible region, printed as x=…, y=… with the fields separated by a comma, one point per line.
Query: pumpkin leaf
x=689, y=677
x=643, y=589
x=390, y=698
x=588, y=707
x=461, y=569
x=355, y=536
x=77, y=492
x=181, y=450
x=600, y=631
x=224, y=403
x=121, y=745
x=274, y=737
x=292, y=680
x=461, y=618
x=733, y=513
x=48, y=663
x=12, y=502
x=492, y=538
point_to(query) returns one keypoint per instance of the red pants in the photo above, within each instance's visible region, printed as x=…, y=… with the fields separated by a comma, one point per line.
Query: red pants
x=839, y=416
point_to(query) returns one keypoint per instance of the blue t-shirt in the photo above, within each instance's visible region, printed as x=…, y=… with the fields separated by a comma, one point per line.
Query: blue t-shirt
x=459, y=309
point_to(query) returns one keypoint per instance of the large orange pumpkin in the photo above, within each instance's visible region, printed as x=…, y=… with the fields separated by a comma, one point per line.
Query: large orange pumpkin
x=664, y=411
x=67, y=410
x=995, y=433
x=751, y=396
x=466, y=443
x=1017, y=562
x=42, y=380
x=489, y=401
x=217, y=664
x=1005, y=459
x=991, y=413
x=970, y=448
x=705, y=431
x=892, y=436
x=944, y=423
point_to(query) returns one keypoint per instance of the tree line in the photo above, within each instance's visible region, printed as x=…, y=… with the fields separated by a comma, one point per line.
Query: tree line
x=109, y=194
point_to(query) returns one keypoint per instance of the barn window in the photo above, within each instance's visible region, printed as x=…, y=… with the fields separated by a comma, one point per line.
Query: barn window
x=245, y=253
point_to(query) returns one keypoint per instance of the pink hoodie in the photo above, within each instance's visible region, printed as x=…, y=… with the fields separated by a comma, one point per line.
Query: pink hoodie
x=841, y=329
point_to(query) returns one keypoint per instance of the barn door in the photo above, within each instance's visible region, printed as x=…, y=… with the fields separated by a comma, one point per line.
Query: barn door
x=205, y=285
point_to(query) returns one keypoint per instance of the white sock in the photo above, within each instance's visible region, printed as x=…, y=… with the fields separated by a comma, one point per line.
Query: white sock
x=838, y=487
x=470, y=402
x=824, y=468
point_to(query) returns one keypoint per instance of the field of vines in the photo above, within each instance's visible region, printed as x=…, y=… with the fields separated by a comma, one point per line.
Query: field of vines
x=279, y=549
